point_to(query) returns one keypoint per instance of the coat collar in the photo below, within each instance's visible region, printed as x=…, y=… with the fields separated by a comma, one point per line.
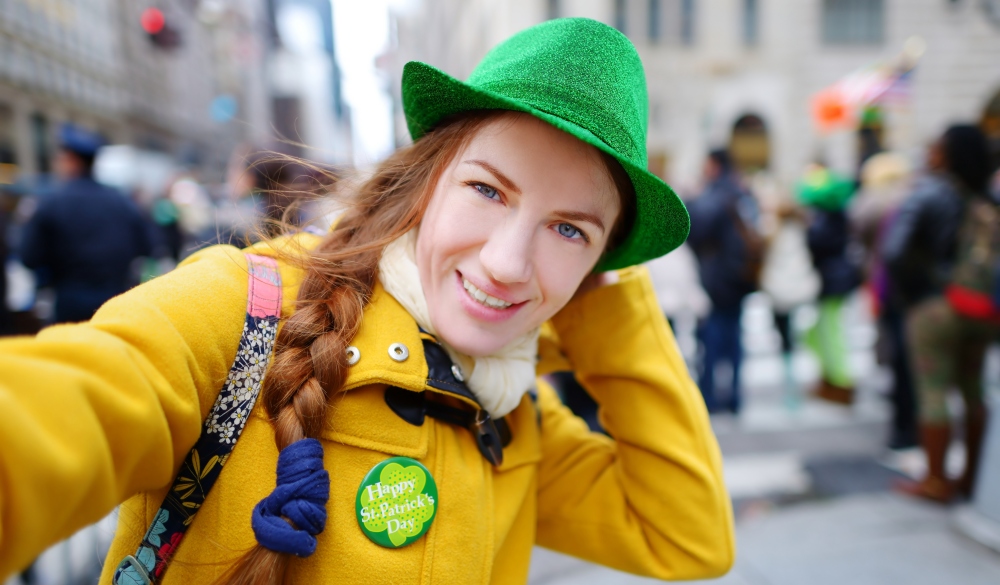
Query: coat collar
x=387, y=334
x=406, y=359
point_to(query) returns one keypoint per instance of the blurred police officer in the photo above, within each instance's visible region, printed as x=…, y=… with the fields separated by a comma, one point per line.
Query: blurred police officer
x=84, y=236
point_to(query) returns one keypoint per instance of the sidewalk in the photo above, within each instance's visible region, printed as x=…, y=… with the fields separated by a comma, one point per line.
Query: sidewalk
x=870, y=539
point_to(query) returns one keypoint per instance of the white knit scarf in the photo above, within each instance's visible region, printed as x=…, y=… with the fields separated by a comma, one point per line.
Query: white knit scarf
x=499, y=380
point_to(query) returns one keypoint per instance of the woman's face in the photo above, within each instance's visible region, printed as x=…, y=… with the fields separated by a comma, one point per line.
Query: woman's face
x=517, y=220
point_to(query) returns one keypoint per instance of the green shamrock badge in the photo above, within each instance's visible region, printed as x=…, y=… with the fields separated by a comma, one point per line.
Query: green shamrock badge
x=396, y=502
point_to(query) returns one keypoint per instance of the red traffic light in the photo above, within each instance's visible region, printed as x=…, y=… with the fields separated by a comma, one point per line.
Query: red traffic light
x=152, y=20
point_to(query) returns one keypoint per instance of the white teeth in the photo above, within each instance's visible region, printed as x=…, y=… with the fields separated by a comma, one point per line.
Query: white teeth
x=484, y=298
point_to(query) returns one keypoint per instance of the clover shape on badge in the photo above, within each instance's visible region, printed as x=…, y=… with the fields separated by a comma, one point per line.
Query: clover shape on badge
x=398, y=504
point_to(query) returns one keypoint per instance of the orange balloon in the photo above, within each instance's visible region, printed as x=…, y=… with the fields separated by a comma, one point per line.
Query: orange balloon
x=829, y=109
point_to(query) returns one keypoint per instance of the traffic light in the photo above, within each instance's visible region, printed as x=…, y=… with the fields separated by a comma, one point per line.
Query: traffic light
x=160, y=31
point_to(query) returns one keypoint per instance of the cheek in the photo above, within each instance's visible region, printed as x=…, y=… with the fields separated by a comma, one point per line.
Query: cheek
x=559, y=276
x=451, y=228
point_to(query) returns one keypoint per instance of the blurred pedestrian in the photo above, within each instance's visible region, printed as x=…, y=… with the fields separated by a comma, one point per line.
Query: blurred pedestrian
x=726, y=239
x=944, y=251
x=828, y=236
x=681, y=297
x=84, y=236
x=790, y=281
x=885, y=183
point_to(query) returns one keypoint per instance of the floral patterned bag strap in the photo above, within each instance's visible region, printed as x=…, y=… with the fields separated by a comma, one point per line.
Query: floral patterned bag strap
x=222, y=428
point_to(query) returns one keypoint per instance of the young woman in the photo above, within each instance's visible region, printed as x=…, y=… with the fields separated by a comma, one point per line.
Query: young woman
x=411, y=439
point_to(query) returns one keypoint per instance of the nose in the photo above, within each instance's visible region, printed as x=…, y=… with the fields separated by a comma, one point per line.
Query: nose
x=507, y=254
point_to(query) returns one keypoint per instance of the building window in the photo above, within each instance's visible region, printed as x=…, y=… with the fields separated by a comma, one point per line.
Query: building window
x=853, y=22
x=286, y=111
x=8, y=154
x=750, y=22
x=687, y=22
x=553, y=9
x=671, y=21
x=40, y=139
x=655, y=17
x=749, y=145
x=621, y=16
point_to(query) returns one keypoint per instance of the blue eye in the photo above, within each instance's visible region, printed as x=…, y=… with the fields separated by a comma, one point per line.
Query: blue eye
x=568, y=231
x=487, y=191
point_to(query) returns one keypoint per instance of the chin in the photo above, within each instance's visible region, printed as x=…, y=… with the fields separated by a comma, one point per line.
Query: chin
x=474, y=345
x=471, y=340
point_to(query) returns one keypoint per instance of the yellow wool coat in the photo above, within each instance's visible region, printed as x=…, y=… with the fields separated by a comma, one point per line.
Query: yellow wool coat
x=96, y=414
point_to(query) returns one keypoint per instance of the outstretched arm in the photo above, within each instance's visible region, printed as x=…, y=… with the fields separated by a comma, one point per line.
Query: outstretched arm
x=93, y=413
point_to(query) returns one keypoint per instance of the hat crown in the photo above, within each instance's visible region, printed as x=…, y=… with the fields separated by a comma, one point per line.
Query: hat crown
x=577, y=69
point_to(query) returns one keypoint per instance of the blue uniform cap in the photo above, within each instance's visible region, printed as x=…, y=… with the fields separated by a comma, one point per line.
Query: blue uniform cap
x=79, y=140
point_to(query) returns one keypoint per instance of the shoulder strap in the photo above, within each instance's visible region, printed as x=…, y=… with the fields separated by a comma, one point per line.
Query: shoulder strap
x=223, y=427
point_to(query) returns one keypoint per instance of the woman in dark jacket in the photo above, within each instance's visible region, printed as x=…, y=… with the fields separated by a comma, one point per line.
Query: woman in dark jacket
x=947, y=346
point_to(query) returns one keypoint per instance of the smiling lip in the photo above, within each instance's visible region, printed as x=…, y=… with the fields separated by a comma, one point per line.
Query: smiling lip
x=477, y=310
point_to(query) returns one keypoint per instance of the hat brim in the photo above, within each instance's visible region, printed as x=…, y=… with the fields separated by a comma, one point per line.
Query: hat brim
x=661, y=221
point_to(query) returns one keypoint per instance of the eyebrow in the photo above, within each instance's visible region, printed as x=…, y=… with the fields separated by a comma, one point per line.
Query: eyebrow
x=504, y=179
x=581, y=216
x=567, y=215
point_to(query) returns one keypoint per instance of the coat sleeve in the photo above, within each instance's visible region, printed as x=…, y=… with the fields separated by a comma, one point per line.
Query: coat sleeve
x=651, y=501
x=93, y=413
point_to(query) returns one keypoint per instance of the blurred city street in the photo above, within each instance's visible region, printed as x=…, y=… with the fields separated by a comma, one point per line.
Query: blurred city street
x=836, y=299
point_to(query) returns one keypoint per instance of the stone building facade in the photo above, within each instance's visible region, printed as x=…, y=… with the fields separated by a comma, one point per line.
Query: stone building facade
x=713, y=66
x=91, y=63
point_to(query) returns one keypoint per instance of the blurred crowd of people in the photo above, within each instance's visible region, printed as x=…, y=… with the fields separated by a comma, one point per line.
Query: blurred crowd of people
x=922, y=245
x=73, y=240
